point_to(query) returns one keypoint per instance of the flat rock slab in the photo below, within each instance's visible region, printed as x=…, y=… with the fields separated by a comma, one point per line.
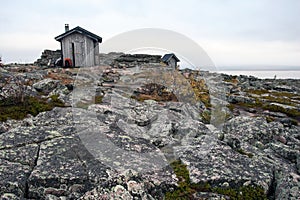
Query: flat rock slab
x=13, y=178
x=221, y=166
x=61, y=169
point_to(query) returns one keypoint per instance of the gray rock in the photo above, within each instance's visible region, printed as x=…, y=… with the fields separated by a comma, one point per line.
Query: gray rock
x=240, y=99
x=121, y=148
x=250, y=130
x=46, y=85
x=287, y=185
x=9, y=196
x=61, y=169
x=13, y=178
x=218, y=163
x=284, y=88
x=48, y=58
x=283, y=106
x=298, y=163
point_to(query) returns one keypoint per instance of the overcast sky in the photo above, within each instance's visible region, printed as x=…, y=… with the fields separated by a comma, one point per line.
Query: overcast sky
x=232, y=32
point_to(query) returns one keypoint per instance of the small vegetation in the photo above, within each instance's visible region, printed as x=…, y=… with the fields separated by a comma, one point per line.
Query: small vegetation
x=98, y=99
x=153, y=91
x=243, y=193
x=186, y=189
x=201, y=91
x=243, y=152
x=290, y=112
x=266, y=97
x=85, y=104
x=30, y=105
x=231, y=79
x=206, y=116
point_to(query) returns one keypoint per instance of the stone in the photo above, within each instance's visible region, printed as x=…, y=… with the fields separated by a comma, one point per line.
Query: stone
x=240, y=99
x=48, y=58
x=14, y=177
x=218, y=163
x=288, y=185
x=121, y=148
x=46, y=85
x=298, y=163
x=283, y=88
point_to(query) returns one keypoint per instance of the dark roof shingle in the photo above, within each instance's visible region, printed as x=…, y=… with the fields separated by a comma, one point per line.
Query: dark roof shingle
x=168, y=56
x=80, y=30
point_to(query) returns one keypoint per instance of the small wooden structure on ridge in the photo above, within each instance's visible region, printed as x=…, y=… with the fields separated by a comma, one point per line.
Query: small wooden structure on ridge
x=79, y=47
x=171, y=60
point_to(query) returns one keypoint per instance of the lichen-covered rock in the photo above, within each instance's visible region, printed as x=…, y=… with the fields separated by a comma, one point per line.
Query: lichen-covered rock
x=133, y=185
x=287, y=185
x=46, y=85
x=120, y=148
x=14, y=177
x=220, y=165
x=9, y=196
x=61, y=169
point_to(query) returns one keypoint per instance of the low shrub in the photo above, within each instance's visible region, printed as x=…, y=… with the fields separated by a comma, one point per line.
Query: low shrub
x=30, y=105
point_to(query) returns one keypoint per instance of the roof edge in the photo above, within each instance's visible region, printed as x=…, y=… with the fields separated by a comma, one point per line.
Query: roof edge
x=81, y=31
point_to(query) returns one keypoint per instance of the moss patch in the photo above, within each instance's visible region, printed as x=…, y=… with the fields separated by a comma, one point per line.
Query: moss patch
x=153, y=91
x=201, y=91
x=243, y=152
x=243, y=193
x=98, y=99
x=30, y=105
x=206, y=116
x=288, y=112
x=186, y=189
x=266, y=97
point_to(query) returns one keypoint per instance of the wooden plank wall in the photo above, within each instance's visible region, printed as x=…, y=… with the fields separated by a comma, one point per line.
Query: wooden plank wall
x=86, y=52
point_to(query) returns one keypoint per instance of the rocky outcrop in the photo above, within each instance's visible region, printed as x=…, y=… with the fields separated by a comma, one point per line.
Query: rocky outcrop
x=46, y=85
x=132, y=60
x=112, y=145
x=48, y=58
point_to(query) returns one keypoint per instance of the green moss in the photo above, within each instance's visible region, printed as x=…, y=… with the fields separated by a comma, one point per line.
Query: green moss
x=274, y=93
x=186, y=189
x=230, y=107
x=201, y=91
x=181, y=171
x=206, y=116
x=275, y=108
x=30, y=105
x=156, y=92
x=263, y=102
x=275, y=96
x=243, y=152
x=55, y=100
x=98, y=99
x=258, y=92
x=270, y=119
x=243, y=193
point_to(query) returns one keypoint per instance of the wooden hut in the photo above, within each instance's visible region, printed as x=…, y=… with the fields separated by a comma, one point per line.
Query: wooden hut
x=79, y=47
x=171, y=60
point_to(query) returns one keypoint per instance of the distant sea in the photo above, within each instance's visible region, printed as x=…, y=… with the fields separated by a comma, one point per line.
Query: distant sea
x=295, y=74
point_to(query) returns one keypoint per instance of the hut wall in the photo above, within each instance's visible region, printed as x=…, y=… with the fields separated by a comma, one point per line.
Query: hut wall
x=83, y=49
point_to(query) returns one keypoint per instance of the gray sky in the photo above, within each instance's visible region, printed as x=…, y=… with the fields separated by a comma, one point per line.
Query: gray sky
x=232, y=32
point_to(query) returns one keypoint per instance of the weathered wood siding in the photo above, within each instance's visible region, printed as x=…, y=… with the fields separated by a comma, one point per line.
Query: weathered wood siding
x=84, y=49
x=97, y=54
x=172, y=63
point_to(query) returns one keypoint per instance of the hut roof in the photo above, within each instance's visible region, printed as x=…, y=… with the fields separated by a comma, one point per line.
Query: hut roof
x=168, y=56
x=80, y=30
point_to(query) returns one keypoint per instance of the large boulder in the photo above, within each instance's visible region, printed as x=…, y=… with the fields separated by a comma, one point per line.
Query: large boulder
x=46, y=85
